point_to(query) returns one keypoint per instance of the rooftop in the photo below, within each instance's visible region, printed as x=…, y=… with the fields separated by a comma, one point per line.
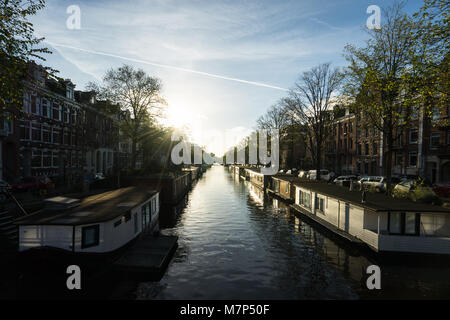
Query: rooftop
x=93, y=209
x=374, y=201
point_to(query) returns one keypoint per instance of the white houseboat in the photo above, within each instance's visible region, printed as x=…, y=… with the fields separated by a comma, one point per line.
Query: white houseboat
x=97, y=225
x=383, y=223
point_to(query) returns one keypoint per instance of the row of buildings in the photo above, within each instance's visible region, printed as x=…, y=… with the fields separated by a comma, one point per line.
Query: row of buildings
x=59, y=132
x=353, y=146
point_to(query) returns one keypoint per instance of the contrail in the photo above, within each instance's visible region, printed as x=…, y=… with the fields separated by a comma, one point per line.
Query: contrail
x=260, y=84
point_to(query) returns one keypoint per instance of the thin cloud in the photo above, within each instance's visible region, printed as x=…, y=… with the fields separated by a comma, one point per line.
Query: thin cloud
x=260, y=84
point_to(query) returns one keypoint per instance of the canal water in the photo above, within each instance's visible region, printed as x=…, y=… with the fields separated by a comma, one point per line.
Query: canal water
x=235, y=242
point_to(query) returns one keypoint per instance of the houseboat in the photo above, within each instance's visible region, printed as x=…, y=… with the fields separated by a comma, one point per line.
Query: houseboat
x=257, y=178
x=382, y=223
x=96, y=227
x=281, y=185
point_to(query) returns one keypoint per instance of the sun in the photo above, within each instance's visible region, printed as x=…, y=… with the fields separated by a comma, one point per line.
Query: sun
x=177, y=116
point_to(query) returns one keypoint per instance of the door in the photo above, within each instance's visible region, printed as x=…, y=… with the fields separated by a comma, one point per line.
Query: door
x=347, y=217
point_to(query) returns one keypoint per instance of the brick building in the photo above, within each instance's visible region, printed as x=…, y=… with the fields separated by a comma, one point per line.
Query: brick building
x=56, y=133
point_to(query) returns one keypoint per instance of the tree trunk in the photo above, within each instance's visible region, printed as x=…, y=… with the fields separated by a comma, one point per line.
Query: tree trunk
x=389, y=144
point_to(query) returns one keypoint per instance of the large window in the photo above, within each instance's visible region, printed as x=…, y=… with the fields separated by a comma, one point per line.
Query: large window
x=412, y=161
x=36, y=159
x=90, y=236
x=36, y=131
x=305, y=199
x=406, y=223
x=434, y=140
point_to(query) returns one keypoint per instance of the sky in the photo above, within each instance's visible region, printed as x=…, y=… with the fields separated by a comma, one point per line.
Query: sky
x=222, y=63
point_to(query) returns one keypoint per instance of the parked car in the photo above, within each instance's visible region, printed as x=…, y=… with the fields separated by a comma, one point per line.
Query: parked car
x=345, y=180
x=378, y=183
x=99, y=176
x=302, y=174
x=416, y=190
x=32, y=184
x=442, y=189
x=325, y=175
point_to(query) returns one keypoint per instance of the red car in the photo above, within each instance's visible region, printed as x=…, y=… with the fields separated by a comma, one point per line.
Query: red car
x=442, y=189
x=32, y=183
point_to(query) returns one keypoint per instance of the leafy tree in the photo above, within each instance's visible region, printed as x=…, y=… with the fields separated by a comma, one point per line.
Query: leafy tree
x=382, y=80
x=431, y=61
x=18, y=46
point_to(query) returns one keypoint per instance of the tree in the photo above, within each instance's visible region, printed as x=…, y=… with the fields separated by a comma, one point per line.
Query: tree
x=310, y=104
x=382, y=81
x=275, y=118
x=18, y=46
x=432, y=60
x=138, y=94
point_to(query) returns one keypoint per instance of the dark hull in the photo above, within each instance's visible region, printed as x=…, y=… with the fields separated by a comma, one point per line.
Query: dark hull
x=55, y=259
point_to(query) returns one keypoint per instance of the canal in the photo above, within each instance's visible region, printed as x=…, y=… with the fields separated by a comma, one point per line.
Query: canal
x=237, y=243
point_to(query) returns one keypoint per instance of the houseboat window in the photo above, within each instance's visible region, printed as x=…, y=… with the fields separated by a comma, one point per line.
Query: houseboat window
x=287, y=188
x=135, y=223
x=411, y=223
x=319, y=204
x=127, y=216
x=117, y=223
x=407, y=223
x=90, y=236
x=395, y=223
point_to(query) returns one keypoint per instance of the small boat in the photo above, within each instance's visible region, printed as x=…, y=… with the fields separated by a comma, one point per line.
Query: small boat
x=91, y=231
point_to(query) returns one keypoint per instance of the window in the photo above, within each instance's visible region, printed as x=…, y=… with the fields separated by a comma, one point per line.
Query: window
x=366, y=148
x=56, y=135
x=434, y=140
x=407, y=223
x=57, y=110
x=25, y=130
x=319, y=204
x=436, y=114
x=374, y=148
x=305, y=199
x=36, y=159
x=46, y=134
x=412, y=223
x=36, y=131
x=413, y=135
x=367, y=132
x=394, y=222
x=55, y=159
x=47, y=159
x=135, y=223
x=45, y=108
x=375, y=132
x=90, y=236
x=398, y=159
x=412, y=159
x=127, y=216
x=8, y=123
x=358, y=133
x=359, y=149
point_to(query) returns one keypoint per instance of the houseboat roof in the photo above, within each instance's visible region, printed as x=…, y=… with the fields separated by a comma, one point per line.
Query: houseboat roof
x=284, y=176
x=93, y=209
x=374, y=201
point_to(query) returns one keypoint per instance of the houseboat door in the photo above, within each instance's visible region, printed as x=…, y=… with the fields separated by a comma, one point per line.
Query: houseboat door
x=347, y=217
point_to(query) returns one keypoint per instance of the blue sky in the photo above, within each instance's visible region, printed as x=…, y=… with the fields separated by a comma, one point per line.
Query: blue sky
x=262, y=42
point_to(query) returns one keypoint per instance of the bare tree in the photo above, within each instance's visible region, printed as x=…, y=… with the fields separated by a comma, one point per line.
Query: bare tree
x=138, y=94
x=310, y=105
x=275, y=118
